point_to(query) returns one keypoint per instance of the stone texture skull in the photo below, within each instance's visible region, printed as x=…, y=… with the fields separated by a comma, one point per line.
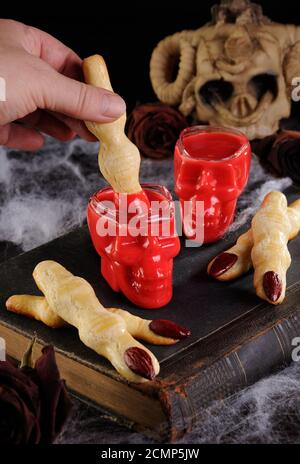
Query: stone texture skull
x=235, y=71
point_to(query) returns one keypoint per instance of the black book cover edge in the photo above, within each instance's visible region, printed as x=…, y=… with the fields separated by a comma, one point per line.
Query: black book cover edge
x=217, y=367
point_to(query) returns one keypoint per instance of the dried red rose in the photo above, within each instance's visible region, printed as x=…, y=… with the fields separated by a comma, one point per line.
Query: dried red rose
x=155, y=128
x=33, y=402
x=281, y=153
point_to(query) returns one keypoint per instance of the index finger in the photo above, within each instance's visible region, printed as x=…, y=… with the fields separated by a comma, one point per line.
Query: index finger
x=62, y=58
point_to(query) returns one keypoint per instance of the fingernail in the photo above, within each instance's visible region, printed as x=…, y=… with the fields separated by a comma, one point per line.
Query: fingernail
x=113, y=106
x=169, y=329
x=272, y=285
x=222, y=263
x=140, y=362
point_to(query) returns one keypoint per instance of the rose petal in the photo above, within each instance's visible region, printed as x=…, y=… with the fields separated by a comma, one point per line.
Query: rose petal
x=281, y=153
x=155, y=128
x=18, y=424
x=22, y=383
x=56, y=403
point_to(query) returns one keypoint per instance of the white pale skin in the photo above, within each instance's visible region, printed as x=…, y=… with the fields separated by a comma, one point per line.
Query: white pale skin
x=139, y=328
x=119, y=159
x=74, y=301
x=271, y=229
x=37, y=307
x=243, y=247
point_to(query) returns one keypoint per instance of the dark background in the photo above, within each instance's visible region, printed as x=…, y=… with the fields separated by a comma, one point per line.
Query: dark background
x=125, y=33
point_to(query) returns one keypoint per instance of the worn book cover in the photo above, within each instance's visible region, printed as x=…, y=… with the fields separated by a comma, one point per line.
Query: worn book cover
x=236, y=337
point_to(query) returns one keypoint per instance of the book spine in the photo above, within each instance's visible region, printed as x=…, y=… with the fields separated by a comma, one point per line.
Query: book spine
x=243, y=366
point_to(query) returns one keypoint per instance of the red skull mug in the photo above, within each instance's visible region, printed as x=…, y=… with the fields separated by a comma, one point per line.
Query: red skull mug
x=136, y=245
x=211, y=165
x=132, y=226
x=127, y=221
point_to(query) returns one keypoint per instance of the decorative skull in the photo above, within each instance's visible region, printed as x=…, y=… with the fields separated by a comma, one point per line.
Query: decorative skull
x=236, y=71
x=139, y=265
x=208, y=181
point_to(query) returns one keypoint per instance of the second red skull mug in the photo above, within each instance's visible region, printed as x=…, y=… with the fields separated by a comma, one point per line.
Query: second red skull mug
x=211, y=169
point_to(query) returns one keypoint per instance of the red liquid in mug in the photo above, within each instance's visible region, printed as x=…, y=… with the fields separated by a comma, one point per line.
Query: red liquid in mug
x=212, y=146
x=138, y=265
x=211, y=165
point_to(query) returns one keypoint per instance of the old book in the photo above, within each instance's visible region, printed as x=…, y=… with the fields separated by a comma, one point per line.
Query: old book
x=236, y=337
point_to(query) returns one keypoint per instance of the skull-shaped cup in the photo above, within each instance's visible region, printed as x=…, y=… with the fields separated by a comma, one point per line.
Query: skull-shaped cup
x=211, y=168
x=136, y=242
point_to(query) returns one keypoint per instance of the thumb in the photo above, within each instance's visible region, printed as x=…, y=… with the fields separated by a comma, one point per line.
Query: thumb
x=81, y=101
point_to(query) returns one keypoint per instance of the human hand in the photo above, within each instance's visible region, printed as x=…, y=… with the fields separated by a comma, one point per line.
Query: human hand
x=44, y=92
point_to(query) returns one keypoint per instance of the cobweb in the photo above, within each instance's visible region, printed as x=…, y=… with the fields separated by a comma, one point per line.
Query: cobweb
x=45, y=194
x=267, y=412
